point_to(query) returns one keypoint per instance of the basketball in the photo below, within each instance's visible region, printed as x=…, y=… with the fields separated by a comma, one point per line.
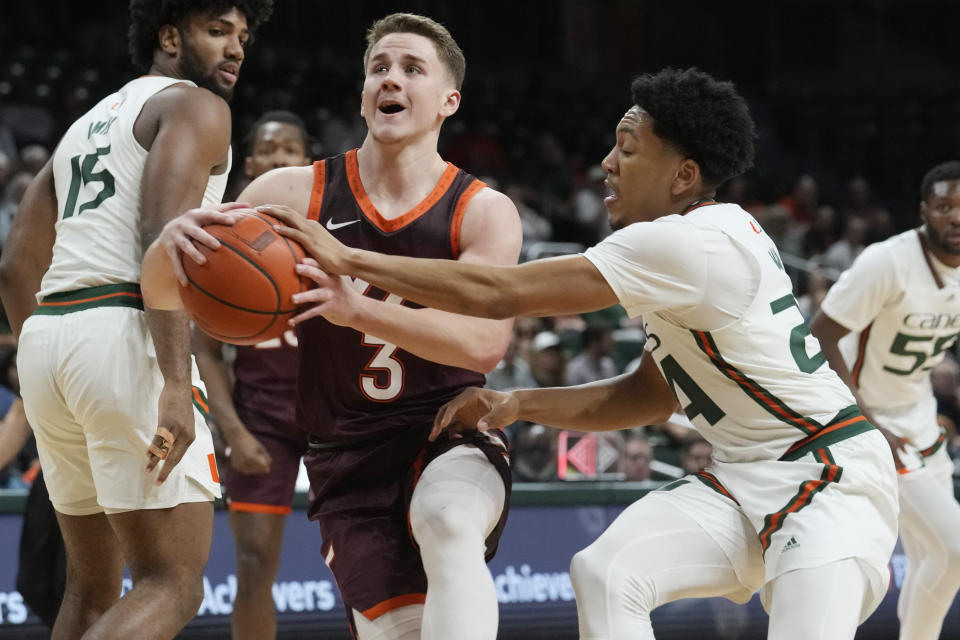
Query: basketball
x=242, y=294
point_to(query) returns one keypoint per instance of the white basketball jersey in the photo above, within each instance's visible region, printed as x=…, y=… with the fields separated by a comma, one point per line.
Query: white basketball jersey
x=755, y=384
x=902, y=307
x=97, y=170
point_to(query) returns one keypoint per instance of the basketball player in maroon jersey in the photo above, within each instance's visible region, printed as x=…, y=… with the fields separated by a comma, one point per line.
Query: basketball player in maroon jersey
x=258, y=419
x=397, y=513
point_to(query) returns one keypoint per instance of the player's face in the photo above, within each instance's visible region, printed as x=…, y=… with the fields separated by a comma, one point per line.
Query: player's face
x=211, y=50
x=940, y=213
x=640, y=170
x=277, y=144
x=407, y=91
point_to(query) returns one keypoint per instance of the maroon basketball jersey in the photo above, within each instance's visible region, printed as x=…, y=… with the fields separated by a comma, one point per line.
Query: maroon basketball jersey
x=353, y=385
x=266, y=378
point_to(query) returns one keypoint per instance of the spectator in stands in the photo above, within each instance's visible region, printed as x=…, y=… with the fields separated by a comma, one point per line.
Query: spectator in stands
x=534, y=454
x=945, y=379
x=547, y=360
x=33, y=157
x=802, y=201
x=6, y=169
x=696, y=454
x=512, y=372
x=10, y=202
x=588, y=207
x=841, y=254
x=594, y=362
x=859, y=204
x=635, y=459
x=815, y=285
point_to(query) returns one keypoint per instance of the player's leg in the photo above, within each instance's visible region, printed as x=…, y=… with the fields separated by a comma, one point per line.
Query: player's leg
x=258, y=538
x=455, y=506
x=822, y=603
x=166, y=550
x=402, y=623
x=94, y=573
x=930, y=519
x=259, y=505
x=655, y=553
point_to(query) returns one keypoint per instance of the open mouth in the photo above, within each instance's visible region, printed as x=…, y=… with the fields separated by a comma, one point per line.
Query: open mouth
x=391, y=108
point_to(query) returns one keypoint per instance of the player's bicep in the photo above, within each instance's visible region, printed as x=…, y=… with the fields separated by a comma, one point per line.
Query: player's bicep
x=193, y=138
x=287, y=186
x=490, y=232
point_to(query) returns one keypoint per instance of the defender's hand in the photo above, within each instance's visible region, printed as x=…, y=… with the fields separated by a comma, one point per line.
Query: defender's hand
x=329, y=252
x=476, y=409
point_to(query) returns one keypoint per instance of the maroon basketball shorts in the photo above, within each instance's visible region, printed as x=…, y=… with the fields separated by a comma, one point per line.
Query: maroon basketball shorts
x=361, y=498
x=269, y=492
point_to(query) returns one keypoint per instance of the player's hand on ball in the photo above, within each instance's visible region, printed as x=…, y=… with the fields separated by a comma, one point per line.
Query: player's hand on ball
x=179, y=236
x=332, y=297
x=175, y=430
x=476, y=409
x=248, y=455
x=329, y=252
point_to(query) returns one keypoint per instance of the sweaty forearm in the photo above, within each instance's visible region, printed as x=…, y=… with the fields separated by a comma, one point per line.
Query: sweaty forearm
x=606, y=405
x=449, y=285
x=214, y=375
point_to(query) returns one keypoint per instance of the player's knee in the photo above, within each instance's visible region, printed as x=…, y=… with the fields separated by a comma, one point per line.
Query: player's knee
x=442, y=523
x=254, y=559
x=593, y=572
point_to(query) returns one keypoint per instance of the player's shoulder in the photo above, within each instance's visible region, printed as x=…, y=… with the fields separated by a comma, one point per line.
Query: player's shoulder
x=191, y=102
x=894, y=251
x=489, y=199
x=290, y=186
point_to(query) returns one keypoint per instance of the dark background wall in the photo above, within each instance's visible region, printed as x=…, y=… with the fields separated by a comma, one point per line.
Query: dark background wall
x=838, y=88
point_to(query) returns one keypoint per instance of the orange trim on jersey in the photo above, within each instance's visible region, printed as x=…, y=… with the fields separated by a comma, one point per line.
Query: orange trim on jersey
x=823, y=432
x=458, y=213
x=316, y=194
x=118, y=294
x=256, y=507
x=396, y=602
x=363, y=200
x=198, y=398
x=697, y=205
x=861, y=354
x=212, y=461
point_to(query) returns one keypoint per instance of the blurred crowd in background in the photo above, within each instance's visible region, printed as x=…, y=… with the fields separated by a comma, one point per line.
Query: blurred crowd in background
x=838, y=162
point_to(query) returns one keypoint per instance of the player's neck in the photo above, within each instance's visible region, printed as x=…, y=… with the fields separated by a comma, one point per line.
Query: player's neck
x=397, y=171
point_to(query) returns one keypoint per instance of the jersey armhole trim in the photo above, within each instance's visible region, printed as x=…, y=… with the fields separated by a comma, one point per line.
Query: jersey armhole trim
x=316, y=194
x=461, y=209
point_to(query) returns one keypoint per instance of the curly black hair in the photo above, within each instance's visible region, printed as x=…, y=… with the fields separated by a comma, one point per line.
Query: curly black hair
x=147, y=16
x=702, y=117
x=943, y=171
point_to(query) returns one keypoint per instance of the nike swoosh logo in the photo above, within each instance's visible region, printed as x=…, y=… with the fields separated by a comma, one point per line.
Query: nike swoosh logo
x=332, y=226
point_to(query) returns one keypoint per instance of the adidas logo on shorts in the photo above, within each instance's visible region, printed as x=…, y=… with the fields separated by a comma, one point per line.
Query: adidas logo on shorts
x=791, y=544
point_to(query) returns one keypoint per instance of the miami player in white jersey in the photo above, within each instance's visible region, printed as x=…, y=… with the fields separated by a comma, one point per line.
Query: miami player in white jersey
x=801, y=497
x=884, y=326
x=109, y=387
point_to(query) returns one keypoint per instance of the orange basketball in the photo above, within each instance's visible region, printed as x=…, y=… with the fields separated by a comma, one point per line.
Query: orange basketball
x=242, y=294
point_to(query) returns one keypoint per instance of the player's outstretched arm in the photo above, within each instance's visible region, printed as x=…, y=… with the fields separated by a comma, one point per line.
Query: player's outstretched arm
x=29, y=248
x=629, y=400
x=555, y=286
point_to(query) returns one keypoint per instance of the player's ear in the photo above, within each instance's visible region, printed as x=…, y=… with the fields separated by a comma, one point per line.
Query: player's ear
x=169, y=38
x=687, y=177
x=450, y=104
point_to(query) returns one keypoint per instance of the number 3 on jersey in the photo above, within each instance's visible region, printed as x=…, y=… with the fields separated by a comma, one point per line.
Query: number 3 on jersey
x=382, y=378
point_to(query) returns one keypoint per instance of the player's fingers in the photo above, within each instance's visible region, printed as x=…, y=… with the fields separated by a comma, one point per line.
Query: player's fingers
x=284, y=214
x=173, y=458
x=441, y=420
x=310, y=262
x=229, y=206
x=314, y=273
x=159, y=447
x=312, y=312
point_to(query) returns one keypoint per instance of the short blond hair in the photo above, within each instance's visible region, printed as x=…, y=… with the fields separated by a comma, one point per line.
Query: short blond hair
x=448, y=51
